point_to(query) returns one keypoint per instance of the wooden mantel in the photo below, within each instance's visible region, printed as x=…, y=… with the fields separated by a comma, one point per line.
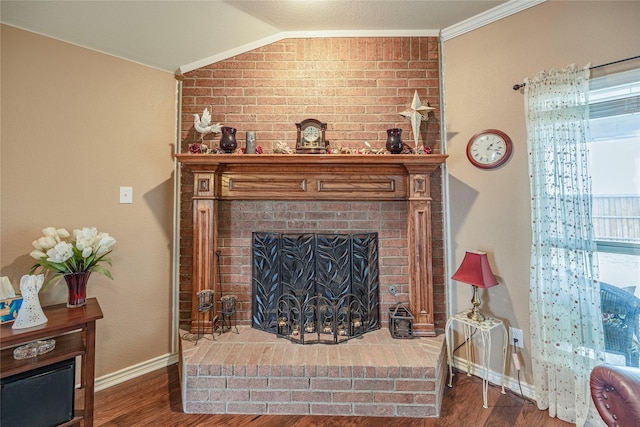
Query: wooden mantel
x=315, y=177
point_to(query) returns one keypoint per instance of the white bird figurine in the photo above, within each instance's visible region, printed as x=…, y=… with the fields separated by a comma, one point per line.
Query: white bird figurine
x=416, y=114
x=204, y=125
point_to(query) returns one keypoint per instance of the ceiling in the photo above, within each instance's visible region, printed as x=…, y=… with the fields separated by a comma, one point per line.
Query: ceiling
x=182, y=35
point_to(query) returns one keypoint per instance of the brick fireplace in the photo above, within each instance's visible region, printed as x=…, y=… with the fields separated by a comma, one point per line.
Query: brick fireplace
x=357, y=85
x=220, y=378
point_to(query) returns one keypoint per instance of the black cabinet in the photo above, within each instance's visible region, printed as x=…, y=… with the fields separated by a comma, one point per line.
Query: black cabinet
x=41, y=397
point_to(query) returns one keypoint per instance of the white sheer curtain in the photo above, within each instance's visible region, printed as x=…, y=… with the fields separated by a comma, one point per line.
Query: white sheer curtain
x=566, y=328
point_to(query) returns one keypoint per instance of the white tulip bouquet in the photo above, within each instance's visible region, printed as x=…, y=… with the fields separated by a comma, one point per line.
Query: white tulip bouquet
x=60, y=254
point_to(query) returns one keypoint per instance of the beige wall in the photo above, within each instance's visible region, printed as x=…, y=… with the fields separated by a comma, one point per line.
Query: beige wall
x=77, y=125
x=490, y=209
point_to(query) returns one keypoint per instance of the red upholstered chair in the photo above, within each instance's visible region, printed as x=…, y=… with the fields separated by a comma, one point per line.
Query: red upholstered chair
x=615, y=391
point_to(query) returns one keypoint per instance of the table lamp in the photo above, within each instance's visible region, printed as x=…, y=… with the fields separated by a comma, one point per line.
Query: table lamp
x=476, y=272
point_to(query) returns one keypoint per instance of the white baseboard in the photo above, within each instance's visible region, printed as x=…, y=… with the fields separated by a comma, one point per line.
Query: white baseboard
x=135, y=371
x=494, y=378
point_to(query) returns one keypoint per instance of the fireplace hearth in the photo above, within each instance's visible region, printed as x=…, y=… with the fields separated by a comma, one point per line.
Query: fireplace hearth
x=315, y=288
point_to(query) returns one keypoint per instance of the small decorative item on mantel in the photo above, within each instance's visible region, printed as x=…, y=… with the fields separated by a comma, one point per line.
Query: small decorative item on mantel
x=416, y=115
x=203, y=125
x=73, y=258
x=196, y=147
x=394, y=141
x=250, y=147
x=310, y=137
x=228, y=141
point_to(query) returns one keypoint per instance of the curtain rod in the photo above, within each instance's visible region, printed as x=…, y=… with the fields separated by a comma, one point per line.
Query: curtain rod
x=521, y=85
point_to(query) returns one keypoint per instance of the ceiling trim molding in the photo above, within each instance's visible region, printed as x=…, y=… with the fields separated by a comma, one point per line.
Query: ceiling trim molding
x=302, y=35
x=492, y=15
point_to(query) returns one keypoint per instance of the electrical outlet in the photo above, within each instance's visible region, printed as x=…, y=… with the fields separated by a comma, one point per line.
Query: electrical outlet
x=516, y=334
x=126, y=194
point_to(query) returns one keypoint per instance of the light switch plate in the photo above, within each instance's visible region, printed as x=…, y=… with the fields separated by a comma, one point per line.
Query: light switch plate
x=126, y=194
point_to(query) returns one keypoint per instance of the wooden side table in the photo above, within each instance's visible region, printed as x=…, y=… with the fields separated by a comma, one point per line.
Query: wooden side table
x=485, y=327
x=74, y=330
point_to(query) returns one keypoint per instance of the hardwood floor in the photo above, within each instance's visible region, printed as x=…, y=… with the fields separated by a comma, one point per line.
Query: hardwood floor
x=154, y=400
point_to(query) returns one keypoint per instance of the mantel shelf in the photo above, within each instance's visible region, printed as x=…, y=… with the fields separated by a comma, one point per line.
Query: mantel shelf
x=201, y=161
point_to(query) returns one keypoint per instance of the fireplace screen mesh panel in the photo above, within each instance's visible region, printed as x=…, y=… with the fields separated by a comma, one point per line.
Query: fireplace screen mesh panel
x=315, y=287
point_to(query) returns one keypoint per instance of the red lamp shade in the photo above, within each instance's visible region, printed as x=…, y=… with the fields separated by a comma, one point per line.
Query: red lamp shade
x=475, y=270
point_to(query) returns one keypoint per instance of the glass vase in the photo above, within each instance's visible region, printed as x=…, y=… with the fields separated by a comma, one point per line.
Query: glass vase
x=394, y=140
x=228, y=141
x=77, y=286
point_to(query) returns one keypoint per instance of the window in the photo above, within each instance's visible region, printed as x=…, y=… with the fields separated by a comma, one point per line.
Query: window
x=614, y=121
x=615, y=166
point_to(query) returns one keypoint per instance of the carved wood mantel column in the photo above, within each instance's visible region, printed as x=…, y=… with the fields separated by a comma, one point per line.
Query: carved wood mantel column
x=205, y=244
x=420, y=263
x=314, y=177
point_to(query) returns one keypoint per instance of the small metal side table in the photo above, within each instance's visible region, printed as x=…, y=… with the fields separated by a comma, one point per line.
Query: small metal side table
x=485, y=327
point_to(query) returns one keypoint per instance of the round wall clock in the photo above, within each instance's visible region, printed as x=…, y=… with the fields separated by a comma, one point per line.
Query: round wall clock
x=489, y=149
x=310, y=138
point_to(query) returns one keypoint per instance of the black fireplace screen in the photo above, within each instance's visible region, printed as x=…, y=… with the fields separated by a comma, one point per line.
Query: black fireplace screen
x=315, y=287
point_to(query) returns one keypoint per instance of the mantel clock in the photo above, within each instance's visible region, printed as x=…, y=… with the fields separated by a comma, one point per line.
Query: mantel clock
x=311, y=137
